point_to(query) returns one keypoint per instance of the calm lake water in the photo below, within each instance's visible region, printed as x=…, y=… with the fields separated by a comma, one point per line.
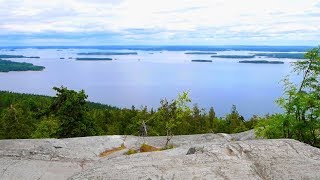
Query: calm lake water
x=146, y=78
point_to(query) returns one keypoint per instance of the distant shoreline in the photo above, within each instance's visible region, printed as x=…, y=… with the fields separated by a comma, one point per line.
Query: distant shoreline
x=94, y=59
x=175, y=48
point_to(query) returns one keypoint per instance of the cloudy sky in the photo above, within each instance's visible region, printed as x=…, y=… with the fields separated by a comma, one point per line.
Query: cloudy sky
x=159, y=22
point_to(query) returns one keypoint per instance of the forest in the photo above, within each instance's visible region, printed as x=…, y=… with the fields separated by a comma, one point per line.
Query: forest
x=69, y=114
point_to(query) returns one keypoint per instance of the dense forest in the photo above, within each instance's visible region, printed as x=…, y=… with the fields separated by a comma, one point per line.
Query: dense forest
x=6, y=66
x=69, y=114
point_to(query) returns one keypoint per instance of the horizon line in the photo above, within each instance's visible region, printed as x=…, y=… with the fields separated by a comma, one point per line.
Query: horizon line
x=156, y=45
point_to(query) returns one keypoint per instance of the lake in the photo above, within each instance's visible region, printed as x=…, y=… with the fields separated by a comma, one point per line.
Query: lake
x=151, y=75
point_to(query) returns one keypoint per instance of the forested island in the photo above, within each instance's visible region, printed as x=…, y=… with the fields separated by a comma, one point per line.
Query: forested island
x=201, y=60
x=234, y=56
x=199, y=53
x=17, y=56
x=7, y=66
x=282, y=55
x=262, y=62
x=109, y=53
x=94, y=59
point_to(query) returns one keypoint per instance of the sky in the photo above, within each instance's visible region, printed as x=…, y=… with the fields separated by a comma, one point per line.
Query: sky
x=159, y=22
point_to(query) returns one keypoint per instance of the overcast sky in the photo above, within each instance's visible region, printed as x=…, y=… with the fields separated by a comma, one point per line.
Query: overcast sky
x=159, y=22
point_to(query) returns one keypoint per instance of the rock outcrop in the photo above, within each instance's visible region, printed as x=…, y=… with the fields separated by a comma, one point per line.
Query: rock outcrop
x=206, y=156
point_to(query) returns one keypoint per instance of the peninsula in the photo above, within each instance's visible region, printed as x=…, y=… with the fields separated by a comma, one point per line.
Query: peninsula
x=7, y=66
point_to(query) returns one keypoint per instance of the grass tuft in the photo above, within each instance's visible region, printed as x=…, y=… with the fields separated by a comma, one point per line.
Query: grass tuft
x=110, y=151
x=147, y=148
x=131, y=151
x=167, y=147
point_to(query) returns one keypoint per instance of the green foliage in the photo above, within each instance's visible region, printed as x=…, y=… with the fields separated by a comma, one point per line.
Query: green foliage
x=275, y=126
x=70, y=115
x=15, y=124
x=47, y=128
x=70, y=107
x=235, y=122
x=301, y=103
x=6, y=66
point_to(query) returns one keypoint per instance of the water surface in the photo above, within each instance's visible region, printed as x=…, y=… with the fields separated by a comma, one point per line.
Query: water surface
x=146, y=78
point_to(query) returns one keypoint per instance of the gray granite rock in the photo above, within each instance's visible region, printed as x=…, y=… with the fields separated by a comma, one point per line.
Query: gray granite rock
x=213, y=156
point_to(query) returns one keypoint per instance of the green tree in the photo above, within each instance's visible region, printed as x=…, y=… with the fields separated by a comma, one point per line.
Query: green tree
x=211, y=119
x=70, y=107
x=274, y=126
x=47, y=128
x=15, y=124
x=171, y=116
x=235, y=121
x=301, y=103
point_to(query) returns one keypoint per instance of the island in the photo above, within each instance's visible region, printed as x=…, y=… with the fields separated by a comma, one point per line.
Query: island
x=262, y=62
x=17, y=56
x=234, y=56
x=7, y=66
x=201, y=60
x=282, y=55
x=94, y=59
x=200, y=53
x=108, y=53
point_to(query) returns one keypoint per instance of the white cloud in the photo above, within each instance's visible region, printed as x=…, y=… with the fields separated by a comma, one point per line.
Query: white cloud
x=195, y=19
